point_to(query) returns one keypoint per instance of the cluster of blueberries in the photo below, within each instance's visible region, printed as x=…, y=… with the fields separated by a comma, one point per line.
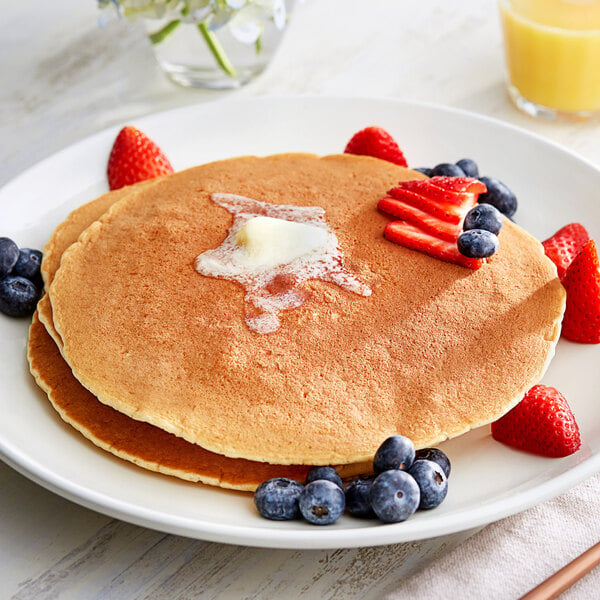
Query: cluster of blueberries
x=483, y=223
x=404, y=481
x=20, y=279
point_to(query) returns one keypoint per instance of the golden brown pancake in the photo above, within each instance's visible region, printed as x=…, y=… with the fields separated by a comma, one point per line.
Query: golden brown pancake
x=141, y=443
x=68, y=231
x=435, y=351
x=65, y=234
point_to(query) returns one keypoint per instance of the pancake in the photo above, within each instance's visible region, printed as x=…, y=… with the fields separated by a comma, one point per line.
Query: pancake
x=436, y=350
x=68, y=231
x=137, y=442
x=140, y=443
x=63, y=236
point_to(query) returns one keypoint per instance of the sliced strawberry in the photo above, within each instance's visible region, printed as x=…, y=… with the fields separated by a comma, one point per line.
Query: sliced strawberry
x=460, y=185
x=428, y=188
x=434, y=226
x=542, y=423
x=437, y=196
x=581, y=322
x=135, y=157
x=411, y=236
x=565, y=245
x=446, y=211
x=376, y=142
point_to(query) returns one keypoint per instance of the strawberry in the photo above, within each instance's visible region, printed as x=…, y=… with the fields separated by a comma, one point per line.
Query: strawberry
x=433, y=197
x=376, y=142
x=428, y=223
x=460, y=185
x=581, y=322
x=542, y=423
x=565, y=245
x=454, y=190
x=445, y=211
x=411, y=236
x=432, y=212
x=135, y=157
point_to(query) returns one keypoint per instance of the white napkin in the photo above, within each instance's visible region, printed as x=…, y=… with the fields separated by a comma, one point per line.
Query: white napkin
x=508, y=558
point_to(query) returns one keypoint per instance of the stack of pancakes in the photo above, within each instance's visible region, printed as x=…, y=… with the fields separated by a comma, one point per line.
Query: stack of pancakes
x=155, y=363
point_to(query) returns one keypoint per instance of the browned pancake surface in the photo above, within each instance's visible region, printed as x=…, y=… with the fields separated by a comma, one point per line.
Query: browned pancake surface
x=138, y=442
x=437, y=349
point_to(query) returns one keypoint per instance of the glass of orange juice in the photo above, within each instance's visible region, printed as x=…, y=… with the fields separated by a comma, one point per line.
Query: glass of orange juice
x=553, y=56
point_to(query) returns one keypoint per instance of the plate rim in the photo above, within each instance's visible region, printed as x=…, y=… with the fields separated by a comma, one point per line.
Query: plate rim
x=296, y=539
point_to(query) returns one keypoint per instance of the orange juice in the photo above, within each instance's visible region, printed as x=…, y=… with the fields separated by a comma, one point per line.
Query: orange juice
x=553, y=52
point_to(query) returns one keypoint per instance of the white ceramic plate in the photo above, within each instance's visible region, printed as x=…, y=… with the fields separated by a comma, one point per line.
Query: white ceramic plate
x=489, y=481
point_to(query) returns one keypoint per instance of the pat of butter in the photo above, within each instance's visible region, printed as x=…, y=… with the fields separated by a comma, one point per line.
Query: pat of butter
x=269, y=242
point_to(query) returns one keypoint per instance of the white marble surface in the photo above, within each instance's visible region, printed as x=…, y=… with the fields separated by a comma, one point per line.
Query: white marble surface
x=62, y=79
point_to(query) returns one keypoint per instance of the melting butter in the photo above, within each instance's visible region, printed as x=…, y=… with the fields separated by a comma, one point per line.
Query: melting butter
x=271, y=250
x=270, y=241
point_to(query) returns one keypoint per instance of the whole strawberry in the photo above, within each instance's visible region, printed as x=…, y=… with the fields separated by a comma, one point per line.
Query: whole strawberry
x=135, y=157
x=376, y=142
x=581, y=322
x=565, y=245
x=542, y=423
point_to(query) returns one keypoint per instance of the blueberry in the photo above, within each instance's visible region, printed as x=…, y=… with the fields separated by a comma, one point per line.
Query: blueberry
x=432, y=482
x=498, y=195
x=18, y=296
x=9, y=253
x=322, y=502
x=484, y=216
x=28, y=264
x=437, y=456
x=358, y=500
x=328, y=473
x=447, y=170
x=277, y=499
x=395, y=496
x=396, y=452
x=424, y=170
x=477, y=243
x=469, y=167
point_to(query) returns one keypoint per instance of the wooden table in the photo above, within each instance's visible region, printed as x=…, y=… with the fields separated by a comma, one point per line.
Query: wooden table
x=63, y=78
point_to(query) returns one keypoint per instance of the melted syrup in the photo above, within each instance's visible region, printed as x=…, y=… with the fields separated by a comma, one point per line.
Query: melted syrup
x=269, y=290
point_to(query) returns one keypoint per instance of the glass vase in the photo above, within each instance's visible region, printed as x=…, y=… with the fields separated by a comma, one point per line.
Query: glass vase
x=193, y=55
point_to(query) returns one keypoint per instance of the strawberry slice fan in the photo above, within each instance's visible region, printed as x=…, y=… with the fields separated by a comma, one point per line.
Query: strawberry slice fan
x=431, y=213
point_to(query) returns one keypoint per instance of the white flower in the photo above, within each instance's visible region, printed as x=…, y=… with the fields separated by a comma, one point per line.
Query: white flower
x=244, y=18
x=247, y=24
x=198, y=11
x=235, y=4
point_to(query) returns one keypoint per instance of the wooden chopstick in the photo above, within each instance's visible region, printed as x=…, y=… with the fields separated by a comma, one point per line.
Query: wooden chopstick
x=561, y=580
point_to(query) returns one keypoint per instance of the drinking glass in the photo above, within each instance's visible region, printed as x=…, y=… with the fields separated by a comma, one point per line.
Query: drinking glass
x=553, y=57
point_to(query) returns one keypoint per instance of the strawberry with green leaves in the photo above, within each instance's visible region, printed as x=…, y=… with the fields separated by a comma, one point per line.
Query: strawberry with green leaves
x=542, y=423
x=135, y=157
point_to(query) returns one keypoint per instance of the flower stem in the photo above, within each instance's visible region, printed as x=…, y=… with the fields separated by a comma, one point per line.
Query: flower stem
x=165, y=32
x=217, y=50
